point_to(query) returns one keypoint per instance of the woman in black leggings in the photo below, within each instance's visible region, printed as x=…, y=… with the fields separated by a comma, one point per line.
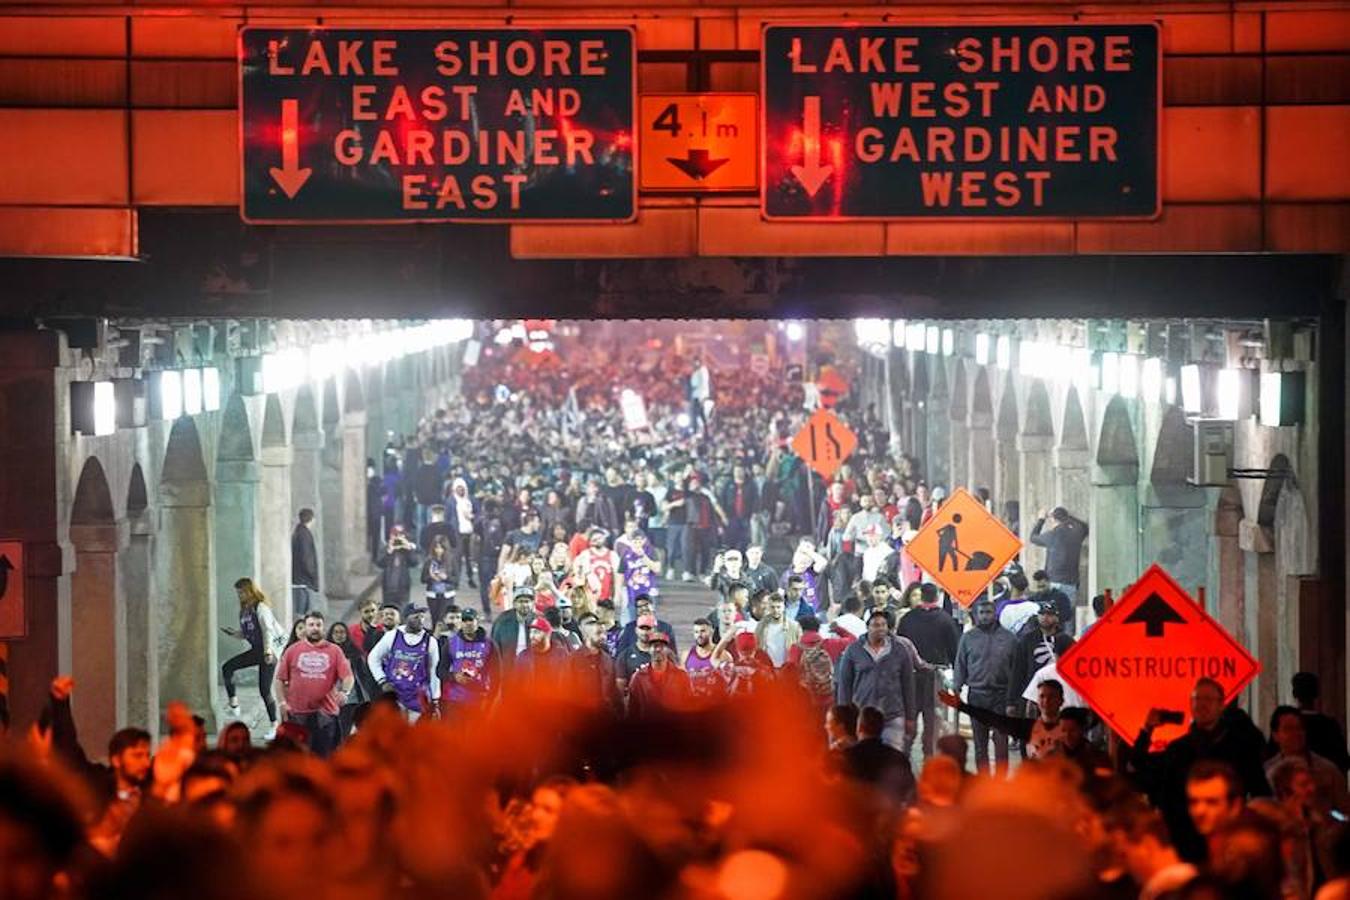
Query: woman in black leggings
x=260, y=628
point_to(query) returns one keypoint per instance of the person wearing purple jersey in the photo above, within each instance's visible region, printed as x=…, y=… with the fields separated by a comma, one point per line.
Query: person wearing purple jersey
x=406, y=660
x=468, y=669
x=637, y=562
x=807, y=563
x=705, y=681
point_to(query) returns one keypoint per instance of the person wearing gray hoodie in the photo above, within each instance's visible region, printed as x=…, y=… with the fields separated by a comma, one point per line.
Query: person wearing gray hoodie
x=878, y=670
x=983, y=660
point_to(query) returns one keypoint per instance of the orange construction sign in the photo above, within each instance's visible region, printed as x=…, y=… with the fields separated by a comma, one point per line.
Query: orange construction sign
x=1147, y=652
x=824, y=442
x=963, y=547
x=13, y=623
x=831, y=387
x=698, y=142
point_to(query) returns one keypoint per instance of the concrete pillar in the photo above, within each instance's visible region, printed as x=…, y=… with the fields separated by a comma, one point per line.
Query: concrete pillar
x=237, y=539
x=1073, y=490
x=981, y=472
x=1261, y=622
x=916, y=432
x=98, y=663
x=1037, y=491
x=1174, y=532
x=1113, y=536
x=274, y=529
x=936, y=455
x=187, y=646
x=139, y=627
x=33, y=408
x=960, y=455
x=1227, y=580
x=354, y=493
x=1007, y=480
x=307, y=475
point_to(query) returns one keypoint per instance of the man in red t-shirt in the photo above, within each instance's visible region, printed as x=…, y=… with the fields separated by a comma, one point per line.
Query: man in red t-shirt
x=312, y=681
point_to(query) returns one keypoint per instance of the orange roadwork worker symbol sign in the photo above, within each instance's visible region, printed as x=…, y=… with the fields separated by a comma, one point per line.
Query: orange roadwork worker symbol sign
x=12, y=621
x=824, y=442
x=963, y=547
x=1147, y=652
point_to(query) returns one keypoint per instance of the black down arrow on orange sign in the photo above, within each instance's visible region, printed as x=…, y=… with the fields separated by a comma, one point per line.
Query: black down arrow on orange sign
x=698, y=165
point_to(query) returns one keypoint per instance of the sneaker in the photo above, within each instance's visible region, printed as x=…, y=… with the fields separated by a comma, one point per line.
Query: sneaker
x=687, y=577
x=271, y=734
x=670, y=574
x=234, y=704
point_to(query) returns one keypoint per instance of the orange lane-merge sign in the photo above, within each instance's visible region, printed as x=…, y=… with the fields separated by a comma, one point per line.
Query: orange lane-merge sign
x=963, y=547
x=1147, y=652
x=824, y=442
x=12, y=574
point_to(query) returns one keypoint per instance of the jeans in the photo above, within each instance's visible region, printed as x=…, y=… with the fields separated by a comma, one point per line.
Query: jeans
x=737, y=533
x=1071, y=591
x=699, y=546
x=991, y=700
x=925, y=698
x=677, y=548
x=487, y=570
x=461, y=560
x=253, y=656
x=302, y=600
x=323, y=731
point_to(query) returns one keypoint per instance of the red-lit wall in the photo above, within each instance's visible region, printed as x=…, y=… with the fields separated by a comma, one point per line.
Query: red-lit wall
x=103, y=112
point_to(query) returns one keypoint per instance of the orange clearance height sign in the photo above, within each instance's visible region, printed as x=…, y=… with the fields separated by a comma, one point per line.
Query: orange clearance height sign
x=824, y=442
x=963, y=547
x=1148, y=651
x=698, y=142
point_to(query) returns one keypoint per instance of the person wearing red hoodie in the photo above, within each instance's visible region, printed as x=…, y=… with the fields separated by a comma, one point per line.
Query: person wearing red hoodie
x=660, y=685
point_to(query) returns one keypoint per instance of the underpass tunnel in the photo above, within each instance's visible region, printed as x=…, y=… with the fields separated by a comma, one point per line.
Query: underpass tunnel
x=165, y=514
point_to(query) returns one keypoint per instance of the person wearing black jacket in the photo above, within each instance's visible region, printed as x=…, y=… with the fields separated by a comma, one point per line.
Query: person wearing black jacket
x=1216, y=733
x=873, y=762
x=935, y=635
x=739, y=500
x=1063, y=543
x=304, y=563
x=1039, y=644
x=1325, y=737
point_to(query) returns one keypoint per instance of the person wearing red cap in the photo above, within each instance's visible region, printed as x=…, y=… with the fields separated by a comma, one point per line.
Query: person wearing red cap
x=639, y=653
x=659, y=685
x=544, y=658
x=750, y=667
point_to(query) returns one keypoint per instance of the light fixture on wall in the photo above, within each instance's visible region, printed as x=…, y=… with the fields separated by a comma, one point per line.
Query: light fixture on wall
x=1228, y=393
x=93, y=407
x=1282, y=398
x=1084, y=372
x=1003, y=352
x=898, y=329
x=1151, y=379
x=932, y=344
x=914, y=337
x=982, y=349
x=1111, y=372
x=210, y=389
x=793, y=331
x=1170, y=391
x=192, y=391
x=166, y=394
x=948, y=342
x=1192, y=396
x=1128, y=366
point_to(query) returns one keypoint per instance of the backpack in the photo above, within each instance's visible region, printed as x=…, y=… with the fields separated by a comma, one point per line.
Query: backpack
x=817, y=672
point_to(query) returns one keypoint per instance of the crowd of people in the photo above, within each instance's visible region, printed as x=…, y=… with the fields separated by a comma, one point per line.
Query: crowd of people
x=528, y=723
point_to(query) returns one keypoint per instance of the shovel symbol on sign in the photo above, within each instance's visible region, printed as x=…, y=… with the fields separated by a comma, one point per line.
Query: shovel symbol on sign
x=948, y=549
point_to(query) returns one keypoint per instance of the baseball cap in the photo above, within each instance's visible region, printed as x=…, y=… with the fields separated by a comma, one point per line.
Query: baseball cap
x=658, y=637
x=1048, y=606
x=745, y=641
x=468, y=612
x=414, y=607
x=564, y=600
x=541, y=624
x=523, y=591
x=646, y=620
